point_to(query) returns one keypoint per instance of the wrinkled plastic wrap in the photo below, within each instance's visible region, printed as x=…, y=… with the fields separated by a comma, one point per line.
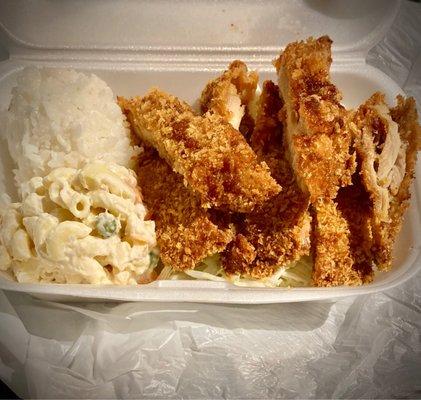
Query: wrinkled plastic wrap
x=368, y=346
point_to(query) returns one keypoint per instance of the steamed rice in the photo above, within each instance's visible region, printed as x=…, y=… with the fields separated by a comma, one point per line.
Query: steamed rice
x=63, y=118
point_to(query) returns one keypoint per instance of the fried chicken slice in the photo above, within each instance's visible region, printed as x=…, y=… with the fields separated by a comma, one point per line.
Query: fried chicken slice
x=350, y=220
x=355, y=207
x=387, y=141
x=232, y=96
x=278, y=232
x=214, y=159
x=186, y=232
x=342, y=237
x=317, y=137
x=319, y=146
x=333, y=261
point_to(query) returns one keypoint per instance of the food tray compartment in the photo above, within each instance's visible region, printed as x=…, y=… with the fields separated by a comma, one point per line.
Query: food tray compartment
x=357, y=81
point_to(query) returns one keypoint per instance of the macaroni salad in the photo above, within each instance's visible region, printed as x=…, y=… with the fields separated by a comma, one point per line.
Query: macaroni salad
x=79, y=226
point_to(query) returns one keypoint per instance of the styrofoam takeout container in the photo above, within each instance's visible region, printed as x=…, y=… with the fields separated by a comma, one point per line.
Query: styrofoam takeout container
x=179, y=46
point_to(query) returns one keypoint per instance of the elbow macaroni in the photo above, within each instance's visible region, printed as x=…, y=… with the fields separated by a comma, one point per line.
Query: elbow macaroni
x=52, y=235
x=20, y=244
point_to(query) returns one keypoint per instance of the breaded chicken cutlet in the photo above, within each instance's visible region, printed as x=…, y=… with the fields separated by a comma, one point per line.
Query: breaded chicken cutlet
x=232, y=96
x=354, y=205
x=319, y=143
x=387, y=141
x=332, y=257
x=369, y=212
x=186, y=232
x=345, y=175
x=342, y=237
x=278, y=232
x=317, y=137
x=214, y=159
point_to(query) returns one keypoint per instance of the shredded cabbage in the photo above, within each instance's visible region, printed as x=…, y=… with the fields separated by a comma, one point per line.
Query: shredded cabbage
x=295, y=274
x=209, y=270
x=204, y=275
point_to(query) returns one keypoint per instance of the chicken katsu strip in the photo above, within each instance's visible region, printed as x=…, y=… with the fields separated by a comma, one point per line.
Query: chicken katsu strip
x=355, y=207
x=214, y=159
x=278, y=232
x=317, y=137
x=332, y=257
x=186, y=233
x=342, y=238
x=387, y=141
x=231, y=95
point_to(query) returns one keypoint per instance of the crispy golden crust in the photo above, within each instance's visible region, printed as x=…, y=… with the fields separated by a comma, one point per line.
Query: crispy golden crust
x=278, y=232
x=318, y=139
x=388, y=203
x=309, y=146
x=214, y=96
x=365, y=228
x=186, y=233
x=333, y=261
x=214, y=159
x=239, y=256
x=355, y=207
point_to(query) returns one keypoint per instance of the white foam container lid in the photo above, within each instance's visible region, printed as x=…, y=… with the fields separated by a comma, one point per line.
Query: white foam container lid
x=179, y=46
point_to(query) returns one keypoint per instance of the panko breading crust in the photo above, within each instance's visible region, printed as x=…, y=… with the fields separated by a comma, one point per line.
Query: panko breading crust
x=320, y=148
x=351, y=211
x=214, y=159
x=318, y=139
x=354, y=205
x=238, y=80
x=371, y=131
x=309, y=146
x=333, y=262
x=186, y=232
x=278, y=232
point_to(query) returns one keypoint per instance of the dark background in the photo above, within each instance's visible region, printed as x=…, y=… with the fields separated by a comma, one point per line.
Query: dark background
x=6, y=393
